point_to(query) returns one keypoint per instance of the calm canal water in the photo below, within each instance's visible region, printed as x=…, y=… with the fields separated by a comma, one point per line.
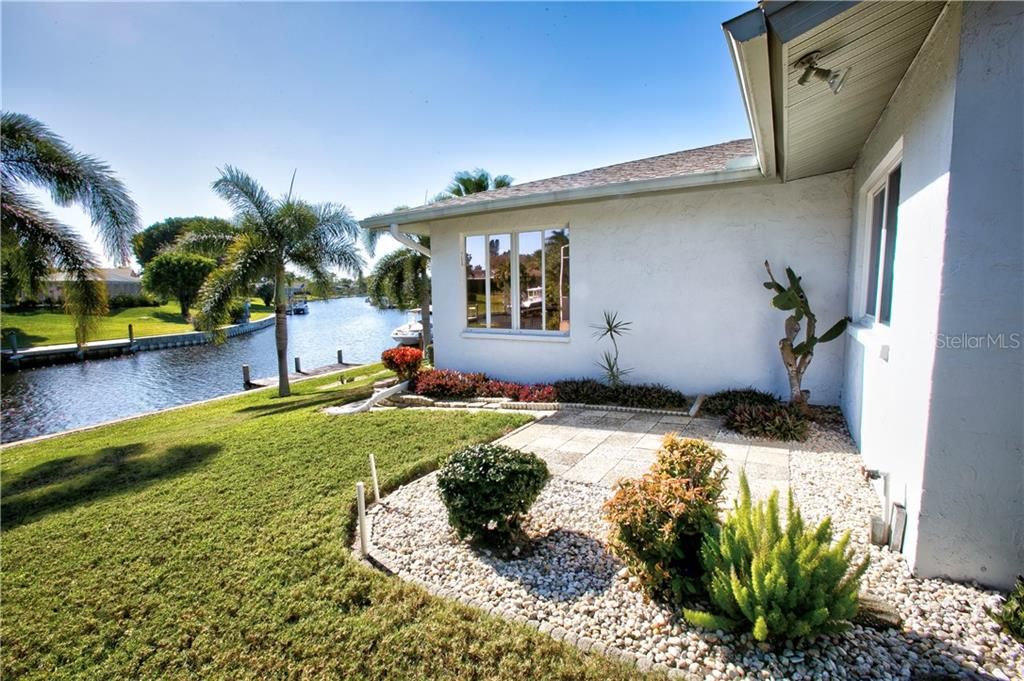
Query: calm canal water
x=52, y=399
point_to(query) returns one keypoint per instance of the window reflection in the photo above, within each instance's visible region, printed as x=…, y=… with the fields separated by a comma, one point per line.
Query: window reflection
x=556, y=275
x=476, y=298
x=531, y=282
x=500, y=258
x=537, y=263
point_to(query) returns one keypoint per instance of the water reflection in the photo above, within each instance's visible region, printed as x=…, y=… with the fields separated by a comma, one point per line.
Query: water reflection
x=52, y=399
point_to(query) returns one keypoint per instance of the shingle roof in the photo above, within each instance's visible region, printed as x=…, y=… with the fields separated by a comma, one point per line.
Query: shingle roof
x=691, y=161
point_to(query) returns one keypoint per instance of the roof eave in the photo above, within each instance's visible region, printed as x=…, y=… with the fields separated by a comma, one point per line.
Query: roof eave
x=747, y=38
x=740, y=172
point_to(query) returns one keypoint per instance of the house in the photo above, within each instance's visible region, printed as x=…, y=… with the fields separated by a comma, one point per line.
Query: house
x=120, y=281
x=885, y=166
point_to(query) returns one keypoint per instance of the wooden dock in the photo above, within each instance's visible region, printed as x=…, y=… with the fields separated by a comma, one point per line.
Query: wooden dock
x=299, y=375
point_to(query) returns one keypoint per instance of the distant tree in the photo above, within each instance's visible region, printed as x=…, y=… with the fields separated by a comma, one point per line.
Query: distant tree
x=402, y=279
x=177, y=275
x=265, y=291
x=468, y=182
x=34, y=242
x=268, y=235
x=148, y=243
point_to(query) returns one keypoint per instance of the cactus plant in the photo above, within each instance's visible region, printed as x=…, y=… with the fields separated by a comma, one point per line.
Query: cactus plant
x=796, y=356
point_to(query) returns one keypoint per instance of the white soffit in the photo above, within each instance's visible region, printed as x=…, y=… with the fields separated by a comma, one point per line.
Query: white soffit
x=816, y=131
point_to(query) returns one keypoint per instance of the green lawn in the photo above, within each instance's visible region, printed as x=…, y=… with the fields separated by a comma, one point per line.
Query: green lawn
x=47, y=327
x=211, y=542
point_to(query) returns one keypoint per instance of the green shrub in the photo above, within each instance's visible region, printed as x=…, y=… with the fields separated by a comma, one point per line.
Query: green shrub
x=487, y=488
x=659, y=521
x=642, y=396
x=775, y=422
x=782, y=582
x=1011, y=614
x=127, y=300
x=583, y=391
x=648, y=396
x=724, y=401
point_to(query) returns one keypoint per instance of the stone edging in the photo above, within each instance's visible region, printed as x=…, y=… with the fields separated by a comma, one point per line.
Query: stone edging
x=501, y=403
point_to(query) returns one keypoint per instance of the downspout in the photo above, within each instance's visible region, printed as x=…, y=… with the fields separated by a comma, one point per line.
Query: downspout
x=406, y=241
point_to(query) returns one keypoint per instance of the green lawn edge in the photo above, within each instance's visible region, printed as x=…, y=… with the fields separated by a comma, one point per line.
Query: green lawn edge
x=212, y=542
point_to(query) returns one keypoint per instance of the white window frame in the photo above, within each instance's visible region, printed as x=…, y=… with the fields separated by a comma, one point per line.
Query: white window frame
x=877, y=181
x=514, y=332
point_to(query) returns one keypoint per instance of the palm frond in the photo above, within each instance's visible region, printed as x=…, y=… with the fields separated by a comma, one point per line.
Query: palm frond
x=36, y=232
x=247, y=198
x=35, y=155
x=249, y=258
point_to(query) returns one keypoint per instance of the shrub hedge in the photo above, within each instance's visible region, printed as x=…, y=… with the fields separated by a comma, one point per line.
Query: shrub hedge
x=404, y=361
x=775, y=422
x=724, y=401
x=642, y=395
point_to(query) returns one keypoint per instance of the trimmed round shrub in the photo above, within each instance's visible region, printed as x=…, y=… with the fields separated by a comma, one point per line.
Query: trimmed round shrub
x=583, y=391
x=775, y=422
x=404, y=361
x=722, y=402
x=487, y=489
x=659, y=521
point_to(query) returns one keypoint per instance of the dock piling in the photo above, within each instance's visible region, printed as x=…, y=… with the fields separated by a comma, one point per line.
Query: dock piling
x=340, y=361
x=131, y=334
x=298, y=366
x=246, y=378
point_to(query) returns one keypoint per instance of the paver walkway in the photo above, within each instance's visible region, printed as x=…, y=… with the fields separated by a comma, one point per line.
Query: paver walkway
x=604, y=446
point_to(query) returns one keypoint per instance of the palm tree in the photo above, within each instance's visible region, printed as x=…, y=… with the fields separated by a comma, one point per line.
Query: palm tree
x=402, y=278
x=468, y=182
x=269, y=235
x=34, y=242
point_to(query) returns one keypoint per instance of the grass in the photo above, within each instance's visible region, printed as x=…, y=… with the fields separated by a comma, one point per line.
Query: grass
x=211, y=542
x=49, y=327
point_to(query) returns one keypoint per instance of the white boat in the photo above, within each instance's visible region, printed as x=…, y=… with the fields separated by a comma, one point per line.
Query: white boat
x=297, y=305
x=410, y=333
x=534, y=299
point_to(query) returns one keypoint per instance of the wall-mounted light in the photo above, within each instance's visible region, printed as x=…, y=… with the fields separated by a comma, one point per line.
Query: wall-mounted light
x=834, y=77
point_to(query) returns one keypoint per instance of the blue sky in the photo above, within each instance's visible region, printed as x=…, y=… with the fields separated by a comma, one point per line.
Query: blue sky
x=376, y=105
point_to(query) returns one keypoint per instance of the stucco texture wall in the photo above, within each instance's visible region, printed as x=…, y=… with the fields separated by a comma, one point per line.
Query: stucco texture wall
x=686, y=269
x=972, y=508
x=887, y=400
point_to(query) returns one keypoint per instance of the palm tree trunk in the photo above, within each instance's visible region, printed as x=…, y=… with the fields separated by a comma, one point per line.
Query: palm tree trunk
x=428, y=333
x=281, y=332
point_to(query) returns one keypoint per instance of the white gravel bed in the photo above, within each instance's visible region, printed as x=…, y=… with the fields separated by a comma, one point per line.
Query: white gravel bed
x=574, y=589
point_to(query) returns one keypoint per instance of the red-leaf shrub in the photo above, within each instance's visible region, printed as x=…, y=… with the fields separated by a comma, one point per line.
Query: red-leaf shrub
x=493, y=388
x=405, y=362
x=537, y=393
x=446, y=383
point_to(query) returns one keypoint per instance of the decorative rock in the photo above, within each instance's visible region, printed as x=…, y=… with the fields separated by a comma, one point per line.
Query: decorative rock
x=570, y=586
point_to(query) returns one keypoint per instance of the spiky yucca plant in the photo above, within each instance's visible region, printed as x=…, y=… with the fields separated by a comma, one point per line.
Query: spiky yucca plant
x=786, y=582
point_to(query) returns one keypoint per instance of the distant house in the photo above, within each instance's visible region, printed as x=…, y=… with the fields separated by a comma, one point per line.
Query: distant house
x=886, y=166
x=120, y=281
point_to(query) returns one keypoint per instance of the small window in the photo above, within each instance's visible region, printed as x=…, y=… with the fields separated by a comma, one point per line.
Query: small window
x=518, y=281
x=882, y=256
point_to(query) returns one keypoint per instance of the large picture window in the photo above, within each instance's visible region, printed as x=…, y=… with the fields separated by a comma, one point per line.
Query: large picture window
x=518, y=281
x=885, y=201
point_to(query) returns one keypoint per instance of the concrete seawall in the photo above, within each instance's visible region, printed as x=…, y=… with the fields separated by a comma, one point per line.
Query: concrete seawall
x=45, y=355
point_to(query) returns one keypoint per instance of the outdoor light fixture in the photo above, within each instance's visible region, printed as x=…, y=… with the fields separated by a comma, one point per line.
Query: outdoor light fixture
x=834, y=78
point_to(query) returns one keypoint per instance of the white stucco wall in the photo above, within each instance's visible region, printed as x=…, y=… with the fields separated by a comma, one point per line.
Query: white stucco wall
x=947, y=424
x=686, y=269
x=972, y=508
x=887, y=402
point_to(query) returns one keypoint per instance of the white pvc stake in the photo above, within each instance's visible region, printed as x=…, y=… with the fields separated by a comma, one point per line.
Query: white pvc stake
x=361, y=505
x=373, y=474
